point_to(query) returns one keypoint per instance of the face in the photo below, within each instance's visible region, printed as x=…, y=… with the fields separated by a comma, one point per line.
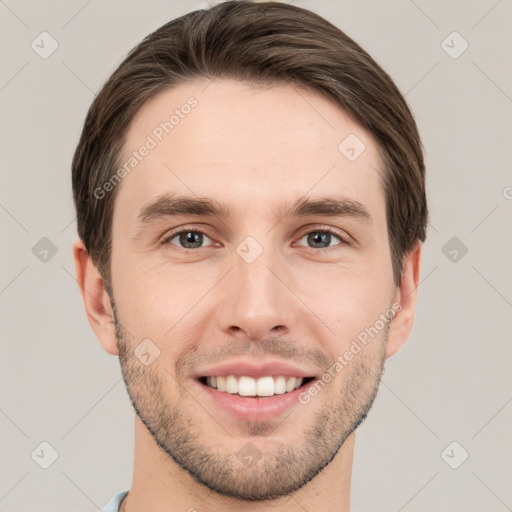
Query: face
x=247, y=244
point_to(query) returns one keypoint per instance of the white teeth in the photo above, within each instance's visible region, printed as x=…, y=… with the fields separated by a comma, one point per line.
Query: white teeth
x=290, y=384
x=280, y=386
x=231, y=384
x=265, y=386
x=221, y=384
x=248, y=386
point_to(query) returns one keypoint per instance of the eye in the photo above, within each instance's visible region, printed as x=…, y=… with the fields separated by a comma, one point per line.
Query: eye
x=321, y=239
x=188, y=239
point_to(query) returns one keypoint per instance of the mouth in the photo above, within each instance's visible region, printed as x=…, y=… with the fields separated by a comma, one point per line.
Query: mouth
x=250, y=399
x=249, y=387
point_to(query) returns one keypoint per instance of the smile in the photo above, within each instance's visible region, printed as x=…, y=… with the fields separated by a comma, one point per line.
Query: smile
x=249, y=386
x=264, y=398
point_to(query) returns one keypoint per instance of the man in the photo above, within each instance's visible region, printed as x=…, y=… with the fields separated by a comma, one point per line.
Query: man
x=250, y=197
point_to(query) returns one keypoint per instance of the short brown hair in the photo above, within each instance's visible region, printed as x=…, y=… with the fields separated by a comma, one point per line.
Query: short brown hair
x=267, y=43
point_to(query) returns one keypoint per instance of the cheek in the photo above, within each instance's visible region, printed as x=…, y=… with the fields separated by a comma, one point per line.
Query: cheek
x=345, y=300
x=158, y=300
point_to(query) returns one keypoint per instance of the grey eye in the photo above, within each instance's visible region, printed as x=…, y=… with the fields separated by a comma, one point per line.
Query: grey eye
x=320, y=239
x=189, y=239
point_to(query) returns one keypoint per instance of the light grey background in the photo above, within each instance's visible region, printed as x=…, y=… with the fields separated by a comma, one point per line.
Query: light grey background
x=451, y=382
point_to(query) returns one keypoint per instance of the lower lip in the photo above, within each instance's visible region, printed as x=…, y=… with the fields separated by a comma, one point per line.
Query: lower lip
x=254, y=409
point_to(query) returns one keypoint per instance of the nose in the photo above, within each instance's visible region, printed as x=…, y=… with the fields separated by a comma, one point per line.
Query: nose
x=256, y=302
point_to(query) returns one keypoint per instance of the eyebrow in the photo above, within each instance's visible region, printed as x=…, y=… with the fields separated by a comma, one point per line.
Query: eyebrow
x=332, y=206
x=170, y=205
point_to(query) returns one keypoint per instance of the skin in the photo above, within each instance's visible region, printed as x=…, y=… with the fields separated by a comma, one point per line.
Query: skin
x=255, y=149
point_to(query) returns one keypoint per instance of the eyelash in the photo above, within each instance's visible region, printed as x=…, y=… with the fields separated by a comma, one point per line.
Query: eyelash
x=344, y=240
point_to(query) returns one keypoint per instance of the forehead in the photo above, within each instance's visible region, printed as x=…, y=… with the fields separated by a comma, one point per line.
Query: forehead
x=248, y=145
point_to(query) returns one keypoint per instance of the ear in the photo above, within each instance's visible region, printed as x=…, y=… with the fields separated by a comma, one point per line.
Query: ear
x=401, y=325
x=96, y=300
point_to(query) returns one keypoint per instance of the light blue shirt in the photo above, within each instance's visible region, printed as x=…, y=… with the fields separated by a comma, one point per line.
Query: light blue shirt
x=113, y=504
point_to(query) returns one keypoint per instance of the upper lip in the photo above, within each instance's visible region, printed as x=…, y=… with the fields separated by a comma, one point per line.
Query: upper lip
x=254, y=369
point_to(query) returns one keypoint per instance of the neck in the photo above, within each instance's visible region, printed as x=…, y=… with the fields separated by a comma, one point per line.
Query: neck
x=159, y=483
